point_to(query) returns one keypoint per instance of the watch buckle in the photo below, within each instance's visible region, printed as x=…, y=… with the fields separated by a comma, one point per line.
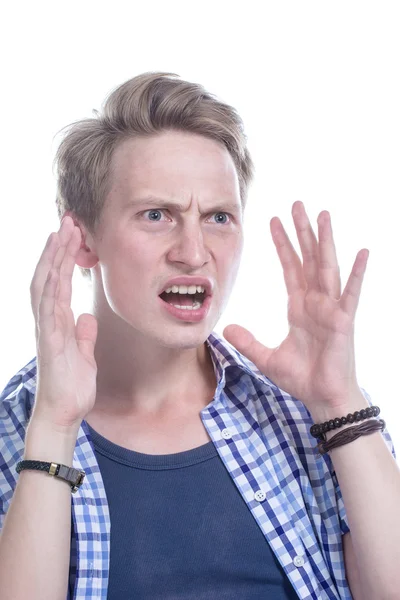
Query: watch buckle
x=79, y=481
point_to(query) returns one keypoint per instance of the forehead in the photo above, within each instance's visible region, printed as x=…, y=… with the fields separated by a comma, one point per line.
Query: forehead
x=175, y=163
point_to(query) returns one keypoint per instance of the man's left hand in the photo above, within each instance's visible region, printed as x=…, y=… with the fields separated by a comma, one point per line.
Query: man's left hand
x=316, y=361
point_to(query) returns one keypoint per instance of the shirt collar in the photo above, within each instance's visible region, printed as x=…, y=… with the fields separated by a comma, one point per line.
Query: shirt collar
x=225, y=356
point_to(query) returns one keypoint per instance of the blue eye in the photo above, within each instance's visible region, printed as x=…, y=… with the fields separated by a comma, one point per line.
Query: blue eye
x=160, y=210
x=221, y=213
x=153, y=211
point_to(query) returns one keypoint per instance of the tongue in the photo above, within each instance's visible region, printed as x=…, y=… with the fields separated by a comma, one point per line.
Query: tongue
x=182, y=299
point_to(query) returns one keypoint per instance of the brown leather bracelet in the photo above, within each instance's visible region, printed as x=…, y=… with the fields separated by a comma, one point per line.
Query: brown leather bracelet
x=350, y=434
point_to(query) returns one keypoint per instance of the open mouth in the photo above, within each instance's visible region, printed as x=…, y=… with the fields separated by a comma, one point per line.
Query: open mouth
x=185, y=301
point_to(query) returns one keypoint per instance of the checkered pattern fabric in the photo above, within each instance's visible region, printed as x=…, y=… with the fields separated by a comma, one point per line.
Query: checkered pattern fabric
x=262, y=436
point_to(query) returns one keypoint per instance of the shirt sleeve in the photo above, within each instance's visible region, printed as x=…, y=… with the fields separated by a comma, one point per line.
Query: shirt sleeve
x=13, y=421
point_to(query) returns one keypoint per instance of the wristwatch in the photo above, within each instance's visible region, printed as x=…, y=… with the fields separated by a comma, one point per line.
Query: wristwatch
x=72, y=476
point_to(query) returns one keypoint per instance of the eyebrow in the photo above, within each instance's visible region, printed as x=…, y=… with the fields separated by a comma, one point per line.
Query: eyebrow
x=153, y=201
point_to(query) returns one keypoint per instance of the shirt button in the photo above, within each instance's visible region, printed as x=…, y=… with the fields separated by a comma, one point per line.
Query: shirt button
x=226, y=434
x=260, y=495
x=298, y=561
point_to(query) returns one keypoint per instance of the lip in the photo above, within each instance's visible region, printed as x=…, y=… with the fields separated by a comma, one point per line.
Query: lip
x=206, y=283
x=193, y=316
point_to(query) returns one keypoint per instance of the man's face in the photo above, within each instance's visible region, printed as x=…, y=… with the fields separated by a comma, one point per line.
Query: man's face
x=141, y=244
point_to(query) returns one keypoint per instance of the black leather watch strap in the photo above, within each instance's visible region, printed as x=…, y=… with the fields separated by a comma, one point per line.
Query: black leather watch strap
x=73, y=476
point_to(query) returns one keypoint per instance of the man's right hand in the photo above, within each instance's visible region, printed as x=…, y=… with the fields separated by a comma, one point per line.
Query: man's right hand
x=66, y=367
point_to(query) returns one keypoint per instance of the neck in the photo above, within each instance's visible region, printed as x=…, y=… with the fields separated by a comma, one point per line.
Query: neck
x=137, y=375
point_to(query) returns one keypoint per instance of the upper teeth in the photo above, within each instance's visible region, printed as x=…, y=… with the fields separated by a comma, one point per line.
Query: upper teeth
x=184, y=289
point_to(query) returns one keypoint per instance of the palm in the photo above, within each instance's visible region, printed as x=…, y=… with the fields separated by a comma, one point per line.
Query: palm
x=66, y=375
x=315, y=363
x=314, y=356
x=72, y=358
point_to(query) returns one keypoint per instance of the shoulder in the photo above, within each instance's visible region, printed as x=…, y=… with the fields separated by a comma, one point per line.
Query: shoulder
x=16, y=399
x=16, y=402
x=24, y=379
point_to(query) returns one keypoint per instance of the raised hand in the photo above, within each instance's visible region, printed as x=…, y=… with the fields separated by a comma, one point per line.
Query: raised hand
x=316, y=361
x=66, y=368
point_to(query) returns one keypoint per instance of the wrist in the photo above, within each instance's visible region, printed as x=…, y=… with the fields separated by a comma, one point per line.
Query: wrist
x=50, y=444
x=329, y=434
x=41, y=417
x=326, y=413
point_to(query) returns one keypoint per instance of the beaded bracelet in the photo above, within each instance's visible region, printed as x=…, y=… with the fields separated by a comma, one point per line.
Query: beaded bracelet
x=318, y=431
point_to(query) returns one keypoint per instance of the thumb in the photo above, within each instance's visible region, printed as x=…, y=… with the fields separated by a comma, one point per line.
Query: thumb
x=86, y=334
x=246, y=343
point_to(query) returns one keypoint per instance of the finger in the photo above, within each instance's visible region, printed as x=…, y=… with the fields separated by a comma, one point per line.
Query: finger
x=49, y=258
x=329, y=272
x=308, y=244
x=46, y=322
x=40, y=275
x=64, y=289
x=42, y=270
x=351, y=293
x=65, y=234
x=290, y=261
x=247, y=344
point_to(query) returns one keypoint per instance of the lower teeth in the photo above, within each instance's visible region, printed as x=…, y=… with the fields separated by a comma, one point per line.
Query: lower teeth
x=196, y=306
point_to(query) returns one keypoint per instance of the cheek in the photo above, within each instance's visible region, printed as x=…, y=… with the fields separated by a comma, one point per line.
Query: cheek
x=124, y=268
x=129, y=253
x=227, y=269
x=232, y=251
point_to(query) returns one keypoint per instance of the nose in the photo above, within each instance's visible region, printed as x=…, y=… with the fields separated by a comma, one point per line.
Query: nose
x=189, y=247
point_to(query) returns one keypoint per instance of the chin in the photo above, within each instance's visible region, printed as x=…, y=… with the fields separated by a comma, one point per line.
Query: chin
x=185, y=339
x=181, y=336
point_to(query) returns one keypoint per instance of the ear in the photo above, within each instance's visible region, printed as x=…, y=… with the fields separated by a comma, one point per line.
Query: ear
x=86, y=257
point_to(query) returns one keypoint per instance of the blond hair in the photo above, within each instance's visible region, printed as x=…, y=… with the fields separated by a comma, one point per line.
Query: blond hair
x=145, y=105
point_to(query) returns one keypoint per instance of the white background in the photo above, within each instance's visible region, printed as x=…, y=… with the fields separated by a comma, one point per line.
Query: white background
x=317, y=85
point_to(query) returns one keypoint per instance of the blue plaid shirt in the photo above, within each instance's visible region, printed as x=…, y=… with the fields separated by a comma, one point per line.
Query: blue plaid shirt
x=262, y=435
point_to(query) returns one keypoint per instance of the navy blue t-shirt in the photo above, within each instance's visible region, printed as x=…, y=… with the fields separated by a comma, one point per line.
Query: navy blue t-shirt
x=180, y=529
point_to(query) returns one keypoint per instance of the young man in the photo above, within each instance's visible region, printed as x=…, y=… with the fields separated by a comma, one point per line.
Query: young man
x=201, y=476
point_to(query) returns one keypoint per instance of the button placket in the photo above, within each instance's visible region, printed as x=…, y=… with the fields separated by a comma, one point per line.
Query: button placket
x=260, y=496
